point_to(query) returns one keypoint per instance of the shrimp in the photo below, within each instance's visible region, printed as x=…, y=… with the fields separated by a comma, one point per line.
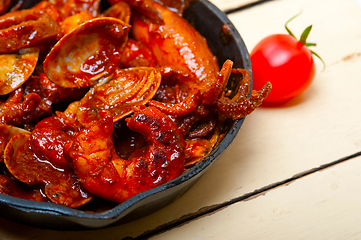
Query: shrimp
x=26, y=28
x=103, y=173
x=17, y=106
x=176, y=44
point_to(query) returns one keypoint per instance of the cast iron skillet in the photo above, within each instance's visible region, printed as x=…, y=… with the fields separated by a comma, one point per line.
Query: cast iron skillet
x=208, y=20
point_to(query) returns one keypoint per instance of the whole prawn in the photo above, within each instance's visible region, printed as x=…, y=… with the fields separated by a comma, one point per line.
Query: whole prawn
x=102, y=172
x=176, y=44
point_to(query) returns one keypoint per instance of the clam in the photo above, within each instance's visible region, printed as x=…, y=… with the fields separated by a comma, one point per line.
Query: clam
x=61, y=185
x=6, y=133
x=120, y=10
x=87, y=53
x=128, y=89
x=16, y=68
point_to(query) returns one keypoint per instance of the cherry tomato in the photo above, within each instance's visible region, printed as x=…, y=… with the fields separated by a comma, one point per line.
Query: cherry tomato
x=285, y=62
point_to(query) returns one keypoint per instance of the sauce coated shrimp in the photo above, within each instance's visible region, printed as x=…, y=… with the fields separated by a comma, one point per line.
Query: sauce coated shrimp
x=105, y=174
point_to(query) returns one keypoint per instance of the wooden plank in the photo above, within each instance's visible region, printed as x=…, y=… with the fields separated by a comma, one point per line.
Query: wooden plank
x=324, y=205
x=227, y=5
x=274, y=144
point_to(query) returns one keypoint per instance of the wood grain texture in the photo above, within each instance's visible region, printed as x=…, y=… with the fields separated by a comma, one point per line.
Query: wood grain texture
x=231, y=5
x=323, y=206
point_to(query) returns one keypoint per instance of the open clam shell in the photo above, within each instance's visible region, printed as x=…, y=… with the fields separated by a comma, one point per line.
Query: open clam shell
x=16, y=68
x=129, y=88
x=61, y=187
x=87, y=53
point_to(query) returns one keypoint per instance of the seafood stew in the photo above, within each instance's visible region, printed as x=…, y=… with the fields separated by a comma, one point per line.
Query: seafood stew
x=174, y=118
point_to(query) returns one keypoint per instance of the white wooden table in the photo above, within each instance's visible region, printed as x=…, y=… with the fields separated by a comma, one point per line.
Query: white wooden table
x=293, y=172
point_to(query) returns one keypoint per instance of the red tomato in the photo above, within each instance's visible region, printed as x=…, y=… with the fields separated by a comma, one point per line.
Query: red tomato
x=286, y=63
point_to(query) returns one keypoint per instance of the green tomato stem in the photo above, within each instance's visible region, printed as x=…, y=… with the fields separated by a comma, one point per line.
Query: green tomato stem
x=288, y=30
x=304, y=35
x=303, y=38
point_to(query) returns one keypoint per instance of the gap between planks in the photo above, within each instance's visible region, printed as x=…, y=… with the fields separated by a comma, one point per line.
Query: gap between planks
x=208, y=210
x=248, y=5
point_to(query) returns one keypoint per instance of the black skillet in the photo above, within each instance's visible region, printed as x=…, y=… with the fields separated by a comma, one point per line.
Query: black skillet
x=209, y=21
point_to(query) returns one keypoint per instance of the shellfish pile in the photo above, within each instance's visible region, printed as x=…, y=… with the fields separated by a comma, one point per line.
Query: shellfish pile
x=107, y=104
